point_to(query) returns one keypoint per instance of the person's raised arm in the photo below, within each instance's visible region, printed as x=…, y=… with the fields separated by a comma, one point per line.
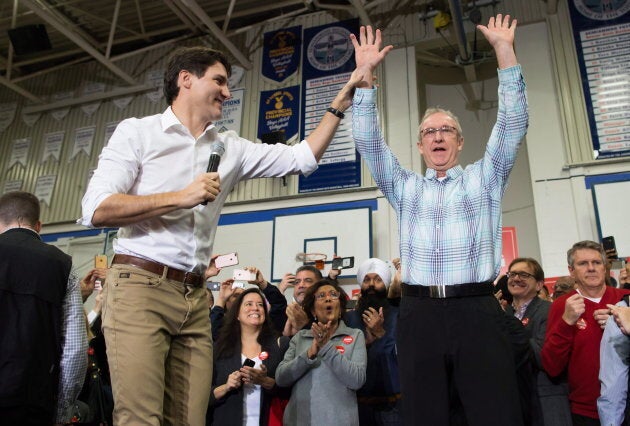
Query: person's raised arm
x=125, y=209
x=500, y=34
x=368, y=54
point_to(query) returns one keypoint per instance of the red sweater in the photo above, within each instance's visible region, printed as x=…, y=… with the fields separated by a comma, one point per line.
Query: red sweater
x=575, y=348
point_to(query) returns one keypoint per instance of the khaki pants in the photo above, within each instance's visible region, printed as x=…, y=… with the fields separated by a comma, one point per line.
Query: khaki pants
x=159, y=348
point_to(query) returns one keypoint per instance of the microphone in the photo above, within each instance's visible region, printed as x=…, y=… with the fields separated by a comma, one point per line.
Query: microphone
x=216, y=151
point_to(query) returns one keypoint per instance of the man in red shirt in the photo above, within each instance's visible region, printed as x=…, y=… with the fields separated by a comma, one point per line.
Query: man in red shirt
x=575, y=328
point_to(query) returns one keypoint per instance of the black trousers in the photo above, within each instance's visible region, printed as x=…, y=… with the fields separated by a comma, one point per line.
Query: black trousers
x=26, y=416
x=456, y=363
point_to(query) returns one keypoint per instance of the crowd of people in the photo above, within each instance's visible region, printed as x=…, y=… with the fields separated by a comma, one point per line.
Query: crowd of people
x=431, y=342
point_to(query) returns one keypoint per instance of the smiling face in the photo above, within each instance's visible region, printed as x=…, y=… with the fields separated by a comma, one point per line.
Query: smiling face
x=252, y=310
x=327, y=307
x=440, y=149
x=588, y=269
x=523, y=288
x=206, y=94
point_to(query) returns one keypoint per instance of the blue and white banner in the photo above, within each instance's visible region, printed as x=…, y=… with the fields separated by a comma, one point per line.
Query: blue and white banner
x=281, y=53
x=326, y=67
x=279, y=111
x=601, y=30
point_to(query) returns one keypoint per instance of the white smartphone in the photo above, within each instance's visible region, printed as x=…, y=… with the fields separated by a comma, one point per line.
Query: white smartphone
x=225, y=260
x=243, y=275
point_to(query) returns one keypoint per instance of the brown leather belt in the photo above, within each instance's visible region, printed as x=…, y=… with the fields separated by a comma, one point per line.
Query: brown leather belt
x=448, y=291
x=188, y=278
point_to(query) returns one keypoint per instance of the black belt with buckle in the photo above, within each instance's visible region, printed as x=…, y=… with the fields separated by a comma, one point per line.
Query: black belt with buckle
x=448, y=291
x=188, y=278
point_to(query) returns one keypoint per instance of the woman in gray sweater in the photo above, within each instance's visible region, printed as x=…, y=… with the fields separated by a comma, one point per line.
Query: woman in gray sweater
x=325, y=365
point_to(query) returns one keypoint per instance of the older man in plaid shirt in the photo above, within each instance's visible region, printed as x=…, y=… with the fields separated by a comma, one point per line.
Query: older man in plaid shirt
x=454, y=357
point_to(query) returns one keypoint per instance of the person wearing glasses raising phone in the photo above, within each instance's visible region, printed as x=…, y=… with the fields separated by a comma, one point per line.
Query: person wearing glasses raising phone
x=326, y=364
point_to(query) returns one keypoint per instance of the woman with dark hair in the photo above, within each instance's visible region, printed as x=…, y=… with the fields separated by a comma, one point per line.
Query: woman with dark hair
x=245, y=361
x=326, y=364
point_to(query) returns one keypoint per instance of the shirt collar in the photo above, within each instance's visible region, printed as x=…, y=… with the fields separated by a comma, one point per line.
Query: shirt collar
x=451, y=173
x=169, y=119
x=24, y=231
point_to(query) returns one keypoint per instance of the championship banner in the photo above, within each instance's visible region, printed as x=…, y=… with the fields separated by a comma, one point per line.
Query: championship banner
x=326, y=67
x=281, y=53
x=279, y=112
x=601, y=30
x=232, y=113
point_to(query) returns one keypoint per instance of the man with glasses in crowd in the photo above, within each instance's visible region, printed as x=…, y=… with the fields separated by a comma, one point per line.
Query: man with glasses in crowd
x=450, y=341
x=525, y=281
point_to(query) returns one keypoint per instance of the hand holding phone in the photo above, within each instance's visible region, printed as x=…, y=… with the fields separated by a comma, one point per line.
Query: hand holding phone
x=100, y=261
x=244, y=275
x=225, y=260
x=343, y=262
x=608, y=243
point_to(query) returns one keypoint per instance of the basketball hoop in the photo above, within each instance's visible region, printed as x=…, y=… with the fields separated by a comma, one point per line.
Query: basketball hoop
x=316, y=259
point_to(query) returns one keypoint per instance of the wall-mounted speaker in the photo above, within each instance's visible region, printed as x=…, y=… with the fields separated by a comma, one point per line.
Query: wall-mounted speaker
x=29, y=39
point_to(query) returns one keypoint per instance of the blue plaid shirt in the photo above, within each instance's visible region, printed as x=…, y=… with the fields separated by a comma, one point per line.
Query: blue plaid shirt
x=74, y=360
x=450, y=229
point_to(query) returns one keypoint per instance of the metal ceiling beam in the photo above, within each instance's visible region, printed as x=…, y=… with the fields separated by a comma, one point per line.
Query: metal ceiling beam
x=112, y=30
x=460, y=34
x=45, y=15
x=228, y=15
x=216, y=31
x=101, y=19
x=18, y=89
x=182, y=15
x=75, y=51
x=363, y=16
x=124, y=91
x=64, y=20
x=140, y=18
x=296, y=12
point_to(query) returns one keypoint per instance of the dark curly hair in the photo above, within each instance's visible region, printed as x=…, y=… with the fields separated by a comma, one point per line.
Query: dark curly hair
x=195, y=60
x=229, y=341
x=309, y=297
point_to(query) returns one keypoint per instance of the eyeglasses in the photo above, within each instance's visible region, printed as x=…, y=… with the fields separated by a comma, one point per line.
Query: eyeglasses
x=521, y=275
x=431, y=132
x=331, y=295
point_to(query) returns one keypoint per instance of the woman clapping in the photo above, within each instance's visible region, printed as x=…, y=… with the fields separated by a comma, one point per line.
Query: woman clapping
x=326, y=364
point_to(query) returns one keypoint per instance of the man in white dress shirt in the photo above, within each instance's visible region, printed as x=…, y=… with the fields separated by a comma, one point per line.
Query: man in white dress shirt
x=151, y=182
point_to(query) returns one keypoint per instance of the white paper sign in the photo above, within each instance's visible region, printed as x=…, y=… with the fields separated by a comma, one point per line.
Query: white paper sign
x=7, y=114
x=52, y=145
x=89, y=88
x=44, y=188
x=19, y=152
x=12, y=185
x=83, y=138
x=109, y=131
x=31, y=119
x=232, y=113
x=155, y=78
x=122, y=103
x=60, y=114
x=90, y=173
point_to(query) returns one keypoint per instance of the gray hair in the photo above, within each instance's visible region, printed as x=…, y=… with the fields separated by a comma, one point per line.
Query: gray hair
x=585, y=245
x=435, y=110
